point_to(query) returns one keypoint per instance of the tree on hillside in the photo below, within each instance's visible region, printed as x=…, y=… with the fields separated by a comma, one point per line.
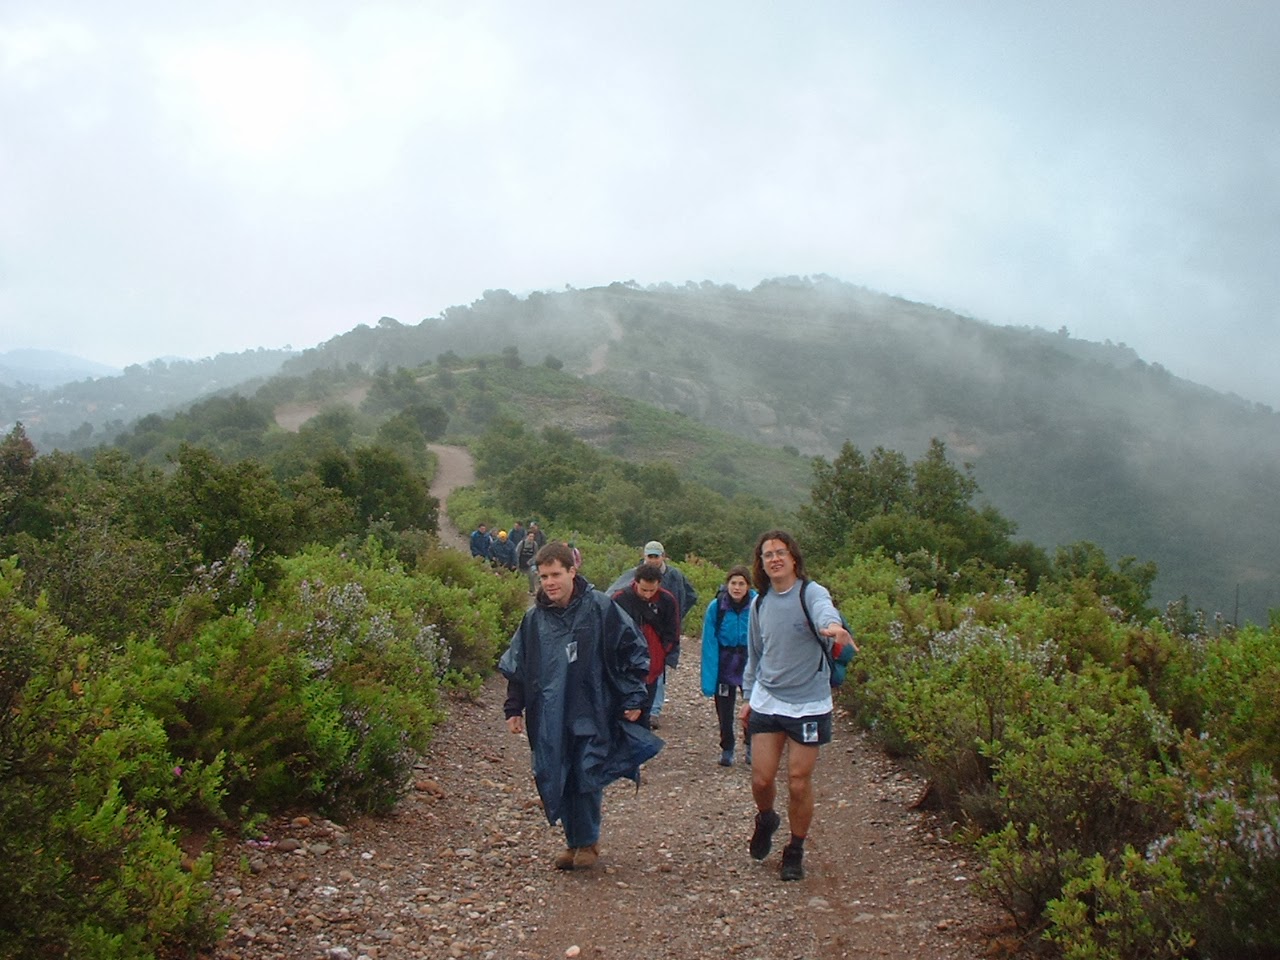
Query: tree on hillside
x=17, y=456
x=385, y=485
x=94, y=539
x=1127, y=585
x=216, y=505
x=923, y=509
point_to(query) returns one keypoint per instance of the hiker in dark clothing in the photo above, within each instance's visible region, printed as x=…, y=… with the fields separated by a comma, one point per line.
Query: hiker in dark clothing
x=657, y=614
x=575, y=674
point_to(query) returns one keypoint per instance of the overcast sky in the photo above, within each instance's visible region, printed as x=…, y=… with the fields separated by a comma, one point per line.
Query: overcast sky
x=180, y=179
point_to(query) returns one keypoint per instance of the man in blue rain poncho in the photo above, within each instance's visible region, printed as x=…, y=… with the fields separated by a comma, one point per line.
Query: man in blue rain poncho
x=576, y=672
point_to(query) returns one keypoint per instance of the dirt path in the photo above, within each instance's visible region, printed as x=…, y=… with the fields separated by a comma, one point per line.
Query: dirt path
x=597, y=361
x=462, y=868
x=454, y=469
x=291, y=416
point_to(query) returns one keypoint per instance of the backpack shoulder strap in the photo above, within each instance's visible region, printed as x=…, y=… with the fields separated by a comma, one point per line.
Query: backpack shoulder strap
x=826, y=652
x=722, y=596
x=808, y=617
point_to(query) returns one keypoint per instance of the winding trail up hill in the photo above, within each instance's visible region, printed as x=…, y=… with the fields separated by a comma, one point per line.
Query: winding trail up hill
x=454, y=469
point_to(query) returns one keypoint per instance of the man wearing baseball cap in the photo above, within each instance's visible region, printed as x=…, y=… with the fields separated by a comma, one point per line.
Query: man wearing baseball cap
x=686, y=596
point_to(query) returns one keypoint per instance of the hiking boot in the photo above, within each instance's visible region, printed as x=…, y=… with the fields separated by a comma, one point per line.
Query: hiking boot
x=792, y=863
x=762, y=839
x=564, y=861
x=653, y=723
x=726, y=758
x=584, y=858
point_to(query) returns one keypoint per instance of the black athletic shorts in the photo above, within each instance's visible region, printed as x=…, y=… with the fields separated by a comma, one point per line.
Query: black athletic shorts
x=814, y=730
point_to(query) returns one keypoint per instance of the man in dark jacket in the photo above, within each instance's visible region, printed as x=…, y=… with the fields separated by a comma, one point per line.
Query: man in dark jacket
x=503, y=551
x=657, y=614
x=481, y=541
x=576, y=672
x=686, y=596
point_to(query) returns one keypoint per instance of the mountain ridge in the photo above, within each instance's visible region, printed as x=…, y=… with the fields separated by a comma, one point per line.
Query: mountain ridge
x=1071, y=439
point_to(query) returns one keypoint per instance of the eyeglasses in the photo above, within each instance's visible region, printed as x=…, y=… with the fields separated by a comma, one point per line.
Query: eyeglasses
x=775, y=554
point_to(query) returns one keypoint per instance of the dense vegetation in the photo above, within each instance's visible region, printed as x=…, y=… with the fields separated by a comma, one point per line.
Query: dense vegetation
x=199, y=621
x=1072, y=440
x=1114, y=769
x=204, y=642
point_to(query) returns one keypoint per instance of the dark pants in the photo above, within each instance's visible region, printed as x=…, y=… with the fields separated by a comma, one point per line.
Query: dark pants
x=727, y=714
x=580, y=812
x=651, y=691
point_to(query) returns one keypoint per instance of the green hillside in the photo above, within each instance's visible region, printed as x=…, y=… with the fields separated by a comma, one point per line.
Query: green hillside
x=1072, y=440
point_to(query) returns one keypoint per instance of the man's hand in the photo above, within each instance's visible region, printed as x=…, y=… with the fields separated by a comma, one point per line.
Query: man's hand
x=515, y=724
x=631, y=715
x=839, y=636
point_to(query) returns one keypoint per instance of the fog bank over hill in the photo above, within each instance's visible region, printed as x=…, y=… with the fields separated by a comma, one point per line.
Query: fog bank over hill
x=1074, y=440
x=1108, y=167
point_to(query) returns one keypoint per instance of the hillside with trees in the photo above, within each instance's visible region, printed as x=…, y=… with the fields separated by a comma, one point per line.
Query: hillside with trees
x=1070, y=440
x=91, y=410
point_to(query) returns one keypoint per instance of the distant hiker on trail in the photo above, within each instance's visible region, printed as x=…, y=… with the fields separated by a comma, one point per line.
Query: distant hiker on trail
x=526, y=560
x=481, y=541
x=787, y=684
x=503, y=551
x=539, y=537
x=680, y=588
x=575, y=674
x=724, y=655
x=516, y=535
x=655, y=611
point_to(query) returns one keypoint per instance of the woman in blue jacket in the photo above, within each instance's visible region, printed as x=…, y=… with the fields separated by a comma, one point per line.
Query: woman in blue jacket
x=724, y=654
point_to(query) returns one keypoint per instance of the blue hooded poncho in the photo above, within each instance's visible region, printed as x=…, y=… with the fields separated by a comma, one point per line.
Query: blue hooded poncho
x=575, y=670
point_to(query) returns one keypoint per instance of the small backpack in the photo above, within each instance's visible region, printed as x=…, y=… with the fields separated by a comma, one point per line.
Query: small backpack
x=839, y=657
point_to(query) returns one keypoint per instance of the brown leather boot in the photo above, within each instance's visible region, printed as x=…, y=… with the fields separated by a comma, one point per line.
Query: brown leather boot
x=564, y=861
x=584, y=858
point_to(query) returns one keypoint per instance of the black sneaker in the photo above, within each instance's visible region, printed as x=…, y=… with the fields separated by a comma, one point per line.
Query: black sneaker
x=792, y=863
x=762, y=839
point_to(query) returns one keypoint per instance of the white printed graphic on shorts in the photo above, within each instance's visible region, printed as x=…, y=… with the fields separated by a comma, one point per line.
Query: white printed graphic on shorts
x=809, y=729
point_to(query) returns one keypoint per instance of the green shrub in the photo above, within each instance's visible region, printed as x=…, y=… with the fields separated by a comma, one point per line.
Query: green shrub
x=1205, y=888
x=1077, y=775
x=86, y=778
x=244, y=707
x=1237, y=687
x=1133, y=908
x=952, y=700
